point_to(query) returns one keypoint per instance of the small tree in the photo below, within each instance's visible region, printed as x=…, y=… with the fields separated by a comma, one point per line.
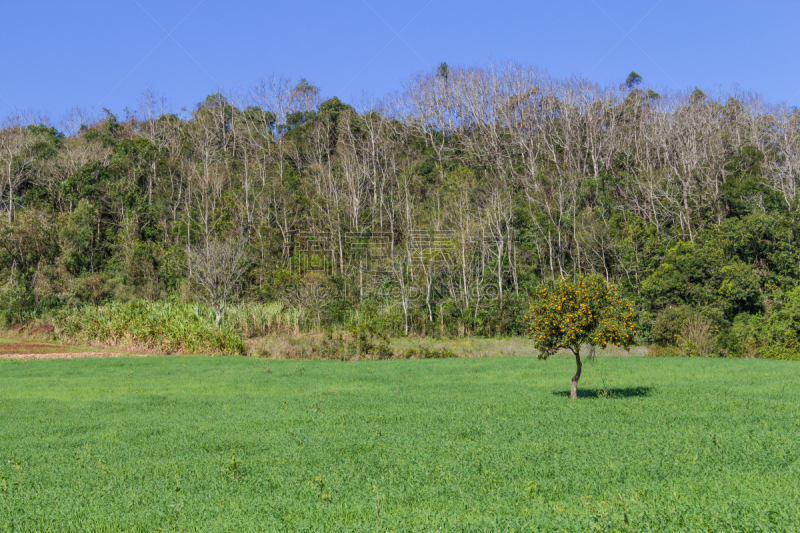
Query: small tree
x=588, y=312
x=215, y=269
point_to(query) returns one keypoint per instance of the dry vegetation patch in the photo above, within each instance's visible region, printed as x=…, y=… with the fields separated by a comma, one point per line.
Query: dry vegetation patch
x=20, y=349
x=307, y=346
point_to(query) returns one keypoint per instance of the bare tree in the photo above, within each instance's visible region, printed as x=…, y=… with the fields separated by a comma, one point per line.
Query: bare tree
x=215, y=268
x=783, y=161
x=273, y=101
x=76, y=120
x=73, y=155
x=16, y=158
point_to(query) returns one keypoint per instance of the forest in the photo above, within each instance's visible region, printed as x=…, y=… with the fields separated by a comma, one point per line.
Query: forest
x=438, y=210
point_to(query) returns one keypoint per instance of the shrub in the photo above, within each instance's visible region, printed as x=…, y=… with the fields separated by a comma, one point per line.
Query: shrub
x=741, y=339
x=93, y=289
x=739, y=291
x=16, y=304
x=683, y=332
x=668, y=326
x=362, y=345
x=424, y=352
x=333, y=350
x=779, y=352
x=698, y=338
x=777, y=334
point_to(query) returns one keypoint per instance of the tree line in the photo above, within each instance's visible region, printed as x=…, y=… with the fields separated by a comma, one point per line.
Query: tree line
x=439, y=209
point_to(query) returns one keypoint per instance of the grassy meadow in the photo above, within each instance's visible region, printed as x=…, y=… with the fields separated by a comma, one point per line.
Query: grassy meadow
x=468, y=444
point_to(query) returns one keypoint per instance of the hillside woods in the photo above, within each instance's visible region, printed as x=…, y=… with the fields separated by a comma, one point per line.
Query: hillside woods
x=438, y=210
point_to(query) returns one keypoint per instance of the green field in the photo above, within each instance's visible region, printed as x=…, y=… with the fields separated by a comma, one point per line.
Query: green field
x=241, y=444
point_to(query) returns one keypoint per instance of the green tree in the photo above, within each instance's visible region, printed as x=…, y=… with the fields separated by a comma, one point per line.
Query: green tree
x=28, y=242
x=16, y=302
x=739, y=291
x=588, y=312
x=632, y=81
x=689, y=274
x=697, y=96
x=77, y=236
x=443, y=71
x=744, y=190
x=775, y=335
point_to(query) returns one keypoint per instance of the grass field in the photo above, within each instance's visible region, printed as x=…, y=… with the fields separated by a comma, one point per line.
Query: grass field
x=483, y=444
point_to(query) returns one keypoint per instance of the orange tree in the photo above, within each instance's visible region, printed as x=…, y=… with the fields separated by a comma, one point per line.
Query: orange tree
x=573, y=315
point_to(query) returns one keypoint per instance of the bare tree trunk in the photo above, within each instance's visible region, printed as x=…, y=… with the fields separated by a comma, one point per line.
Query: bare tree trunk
x=10, y=198
x=573, y=392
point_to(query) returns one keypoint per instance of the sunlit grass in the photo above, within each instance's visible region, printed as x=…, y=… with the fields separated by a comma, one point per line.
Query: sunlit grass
x=477, y=444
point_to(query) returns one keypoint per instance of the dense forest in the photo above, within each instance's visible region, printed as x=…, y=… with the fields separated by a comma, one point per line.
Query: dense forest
x=438, y=210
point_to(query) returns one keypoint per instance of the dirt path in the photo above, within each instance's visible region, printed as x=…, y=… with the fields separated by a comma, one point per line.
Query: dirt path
x=67, y=355
x=13, y=349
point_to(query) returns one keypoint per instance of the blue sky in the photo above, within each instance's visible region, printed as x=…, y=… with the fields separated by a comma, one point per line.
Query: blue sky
x=59, y=54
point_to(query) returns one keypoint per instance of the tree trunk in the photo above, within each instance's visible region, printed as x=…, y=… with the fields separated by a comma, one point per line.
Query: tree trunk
x=573, y=392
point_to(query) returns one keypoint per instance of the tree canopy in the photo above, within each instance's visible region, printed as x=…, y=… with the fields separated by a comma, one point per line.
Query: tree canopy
x=588, y=313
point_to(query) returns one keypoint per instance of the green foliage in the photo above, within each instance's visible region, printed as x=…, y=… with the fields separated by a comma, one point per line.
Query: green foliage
x=359, y=346
x=108, y=131
x=443, y=71
x=366, y=342
x=93, y=289
x=739, y=290
x=697, y=96
x=370, y=342
x=687, y=332
x=241, y=444
x=372, y=316
x=16, y=304
x=28, y=241
x=689, y=274
x=139, y=324
x=336, y=349
x=745, y=189
x=91, y=182
x=77, y=238
x=109, y=213
x=766, y=242
x=651, y=95
x=741, y=339
x=502, y=317
x=632, y=81
x=668, y=326
x=777, y=334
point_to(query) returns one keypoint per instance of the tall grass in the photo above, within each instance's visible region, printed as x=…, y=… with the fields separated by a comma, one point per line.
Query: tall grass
x=261, y=320
x=167, y=327
x=176, y=328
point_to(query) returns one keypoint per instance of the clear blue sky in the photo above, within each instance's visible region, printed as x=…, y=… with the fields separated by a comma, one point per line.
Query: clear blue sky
x=58, y=54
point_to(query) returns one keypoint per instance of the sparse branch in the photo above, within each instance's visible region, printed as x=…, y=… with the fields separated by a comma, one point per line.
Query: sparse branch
x=216, y=268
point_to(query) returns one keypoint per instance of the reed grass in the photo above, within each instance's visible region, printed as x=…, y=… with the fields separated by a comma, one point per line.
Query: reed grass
x=162, y=326
x=264, y=319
